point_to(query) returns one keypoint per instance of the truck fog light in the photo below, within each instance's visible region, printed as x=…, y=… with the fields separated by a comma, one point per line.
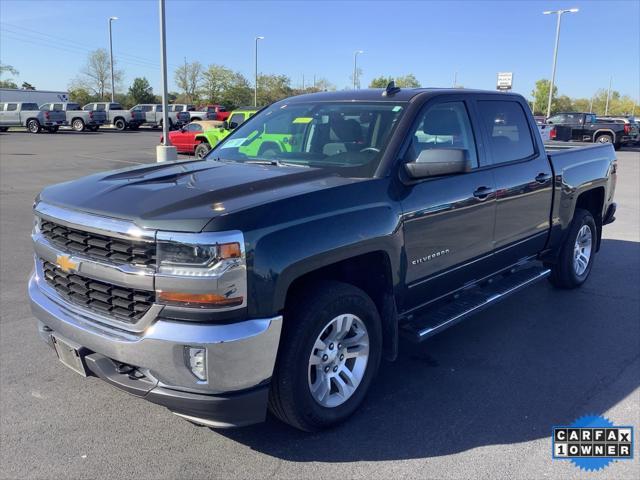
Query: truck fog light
x=196, y=359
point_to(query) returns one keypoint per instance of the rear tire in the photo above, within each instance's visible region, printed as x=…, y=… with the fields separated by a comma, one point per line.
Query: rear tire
x=78, y=124
x=202, y=149
x=33, y=126
x=604, y=138
x=577, y=253
x=329, y=355
x=120, y=124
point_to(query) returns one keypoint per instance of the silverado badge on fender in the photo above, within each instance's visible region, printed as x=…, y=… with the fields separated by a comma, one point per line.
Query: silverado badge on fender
x=66, y=264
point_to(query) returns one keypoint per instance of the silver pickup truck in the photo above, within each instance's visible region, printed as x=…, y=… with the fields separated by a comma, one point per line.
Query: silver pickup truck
x=194, y=113
x=117, y=115
x=29, y=115
x=77, y=118
x=153, y=115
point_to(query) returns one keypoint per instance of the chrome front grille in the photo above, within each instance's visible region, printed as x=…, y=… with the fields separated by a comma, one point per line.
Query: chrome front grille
x=99, y=247
x=125, y=304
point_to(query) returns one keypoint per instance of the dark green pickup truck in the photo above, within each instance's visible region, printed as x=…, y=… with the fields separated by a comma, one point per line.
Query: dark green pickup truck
x=278, y=274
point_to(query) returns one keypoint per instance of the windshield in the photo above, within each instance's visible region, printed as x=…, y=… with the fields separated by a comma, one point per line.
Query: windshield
x=346, y=137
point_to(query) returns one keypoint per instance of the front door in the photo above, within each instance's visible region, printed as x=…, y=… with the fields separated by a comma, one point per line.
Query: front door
x=448, y=221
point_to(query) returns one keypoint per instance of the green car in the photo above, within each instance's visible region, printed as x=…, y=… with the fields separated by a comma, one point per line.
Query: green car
x=210, y=138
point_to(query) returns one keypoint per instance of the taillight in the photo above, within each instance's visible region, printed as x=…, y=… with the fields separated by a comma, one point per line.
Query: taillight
x=47, y=115
x=132, y=115
x=627, y=128
x=552, y=133
x=90, y=114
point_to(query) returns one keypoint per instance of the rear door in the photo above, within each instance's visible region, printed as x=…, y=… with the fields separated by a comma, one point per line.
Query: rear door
x=448, y=221
x=523, y=179
x=11, y=114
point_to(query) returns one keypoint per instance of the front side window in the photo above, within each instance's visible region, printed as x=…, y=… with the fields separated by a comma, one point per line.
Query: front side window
x=57, y=106
x=444, y=125
x=73, y=106
x=30, y=106
x=158, y=108
x=506, y=125
x=88, y=107
x=45, y=107
x=345, y=137
x=194, y=127
x=236, y=118
x=561, y=118
x=12, y=107
x=115, y=106
x=101, y=107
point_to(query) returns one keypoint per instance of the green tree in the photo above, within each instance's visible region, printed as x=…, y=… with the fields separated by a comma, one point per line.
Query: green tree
x=81, y=96
x=380, y=82
x=188, y=78
x=140, y=91
x=272, y=88
x=407, y=81
x=215, y=80
x=540, y=96
x=7, y=83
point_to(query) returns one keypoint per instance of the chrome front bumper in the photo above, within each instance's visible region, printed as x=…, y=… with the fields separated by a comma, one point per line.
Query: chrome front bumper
x=240, y=355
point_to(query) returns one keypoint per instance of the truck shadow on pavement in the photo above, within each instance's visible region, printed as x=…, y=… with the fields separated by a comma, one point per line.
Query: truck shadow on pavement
x=543, y=357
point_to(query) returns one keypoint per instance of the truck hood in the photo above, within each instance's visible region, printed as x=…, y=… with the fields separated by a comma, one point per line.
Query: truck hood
x=185, y=196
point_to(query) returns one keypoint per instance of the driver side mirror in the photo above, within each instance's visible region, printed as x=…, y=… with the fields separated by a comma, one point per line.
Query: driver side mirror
x=225, y=125
x=434, y=162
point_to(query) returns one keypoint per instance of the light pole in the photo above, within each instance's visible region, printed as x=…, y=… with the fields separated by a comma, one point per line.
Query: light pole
x=113, y=85
x=355, y=67
x=164, y=152
x=255, y=85
x=606, y=108
x=555, y=51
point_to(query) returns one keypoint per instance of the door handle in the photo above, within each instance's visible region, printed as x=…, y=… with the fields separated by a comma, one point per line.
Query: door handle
x=483, y=192
x=543, y=178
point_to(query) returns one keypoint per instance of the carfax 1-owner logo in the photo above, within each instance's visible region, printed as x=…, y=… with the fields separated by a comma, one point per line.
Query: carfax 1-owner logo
x=592, y=442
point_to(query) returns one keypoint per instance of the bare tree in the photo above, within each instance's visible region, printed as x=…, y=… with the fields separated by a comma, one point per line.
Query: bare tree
x=96, y=74
x=188, y=79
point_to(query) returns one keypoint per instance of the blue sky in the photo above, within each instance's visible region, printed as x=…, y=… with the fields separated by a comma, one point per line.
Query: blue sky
x=430, y=39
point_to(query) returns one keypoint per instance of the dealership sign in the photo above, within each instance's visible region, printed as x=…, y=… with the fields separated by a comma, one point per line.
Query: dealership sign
x=505, y=80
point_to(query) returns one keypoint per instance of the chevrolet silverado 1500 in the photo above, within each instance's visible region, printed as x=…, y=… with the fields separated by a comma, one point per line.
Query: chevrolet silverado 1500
x=279, y=277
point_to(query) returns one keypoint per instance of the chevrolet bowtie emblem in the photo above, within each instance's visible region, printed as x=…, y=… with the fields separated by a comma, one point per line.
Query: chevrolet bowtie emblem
x=65, y=263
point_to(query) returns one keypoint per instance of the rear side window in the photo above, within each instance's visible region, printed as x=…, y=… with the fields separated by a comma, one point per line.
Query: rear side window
x=30, y=106
x=115, y=106
x=73, y=106
x=45, y=107
x=100, y=107
x=508, y=130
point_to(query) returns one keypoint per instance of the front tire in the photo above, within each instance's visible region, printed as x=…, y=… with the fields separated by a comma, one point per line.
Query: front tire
x=33, y=126
x=329, y=355
x=577, y=253
x=604, y=138
x=202, y=149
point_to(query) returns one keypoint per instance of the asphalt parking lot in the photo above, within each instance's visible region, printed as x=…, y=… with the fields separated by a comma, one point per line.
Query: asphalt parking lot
x=478, y=401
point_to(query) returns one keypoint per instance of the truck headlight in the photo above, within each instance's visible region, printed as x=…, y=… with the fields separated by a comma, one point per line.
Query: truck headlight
x=205, y=270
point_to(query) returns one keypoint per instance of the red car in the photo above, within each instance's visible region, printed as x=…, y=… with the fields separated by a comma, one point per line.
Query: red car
x=219, y=110
x=185, y=139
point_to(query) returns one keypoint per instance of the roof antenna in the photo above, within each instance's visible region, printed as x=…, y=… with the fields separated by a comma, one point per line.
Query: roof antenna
x=391, y=89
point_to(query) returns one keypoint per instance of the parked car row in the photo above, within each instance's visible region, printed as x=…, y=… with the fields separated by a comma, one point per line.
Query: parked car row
x=588, y=127
x=200, y=136
x=53, y=115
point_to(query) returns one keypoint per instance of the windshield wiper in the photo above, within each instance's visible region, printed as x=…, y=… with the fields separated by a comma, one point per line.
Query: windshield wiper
x=276, y=163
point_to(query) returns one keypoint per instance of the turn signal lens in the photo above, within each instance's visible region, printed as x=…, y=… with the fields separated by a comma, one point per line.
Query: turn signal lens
x=229, y=250
x=202, y=300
